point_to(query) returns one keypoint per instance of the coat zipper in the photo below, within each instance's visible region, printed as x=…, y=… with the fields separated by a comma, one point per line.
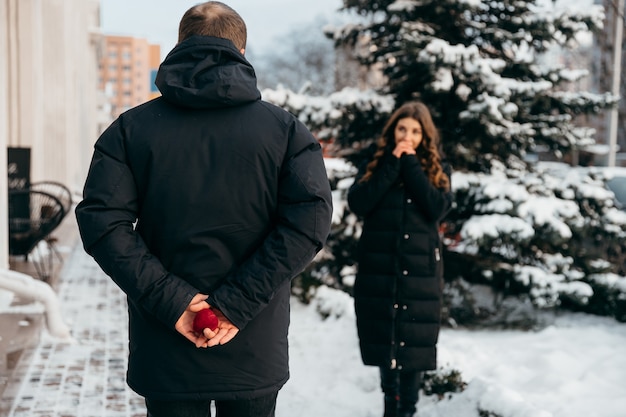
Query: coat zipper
x=394, y=346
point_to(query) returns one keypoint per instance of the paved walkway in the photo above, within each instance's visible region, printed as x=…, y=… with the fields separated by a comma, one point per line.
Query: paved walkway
x=87, y=378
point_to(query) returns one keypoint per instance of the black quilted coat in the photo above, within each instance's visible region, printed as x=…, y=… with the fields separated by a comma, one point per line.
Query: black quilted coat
x=230, y=198
x=399, y=281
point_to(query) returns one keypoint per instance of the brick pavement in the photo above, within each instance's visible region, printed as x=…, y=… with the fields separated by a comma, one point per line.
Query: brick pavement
x=85, y=378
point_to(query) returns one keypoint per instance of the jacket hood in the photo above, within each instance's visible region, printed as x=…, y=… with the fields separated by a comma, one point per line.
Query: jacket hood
x=207, y=72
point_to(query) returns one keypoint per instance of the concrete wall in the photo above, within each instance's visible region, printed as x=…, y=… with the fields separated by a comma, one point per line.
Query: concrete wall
x=4, y=132
x=49, y=52
x=52, y=54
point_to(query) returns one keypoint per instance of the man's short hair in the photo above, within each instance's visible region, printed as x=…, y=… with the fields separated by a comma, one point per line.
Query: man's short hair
x=213, y=18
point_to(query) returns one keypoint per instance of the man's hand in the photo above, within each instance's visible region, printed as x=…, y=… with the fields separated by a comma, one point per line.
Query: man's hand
x=223, y=334
x=184, y=325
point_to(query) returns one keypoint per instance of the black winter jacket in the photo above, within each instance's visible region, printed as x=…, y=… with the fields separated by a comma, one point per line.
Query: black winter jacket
x=398, y=287
x=230, y=198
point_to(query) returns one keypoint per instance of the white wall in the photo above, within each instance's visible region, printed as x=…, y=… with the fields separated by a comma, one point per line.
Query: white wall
x=4, y=133
x=53, y=68
x=48, y=90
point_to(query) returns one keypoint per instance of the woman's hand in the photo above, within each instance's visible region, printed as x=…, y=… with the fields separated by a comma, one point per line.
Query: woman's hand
x=403, y=147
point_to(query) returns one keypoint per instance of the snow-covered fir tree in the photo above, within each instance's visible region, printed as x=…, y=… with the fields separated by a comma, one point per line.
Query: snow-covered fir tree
x=552, y=235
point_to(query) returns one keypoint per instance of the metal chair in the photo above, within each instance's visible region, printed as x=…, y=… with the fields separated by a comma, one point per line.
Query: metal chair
x=58, y=190
x=33, y=215
x=64, y=195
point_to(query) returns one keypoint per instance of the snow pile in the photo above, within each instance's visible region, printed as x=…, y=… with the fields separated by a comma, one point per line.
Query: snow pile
x=39, y=292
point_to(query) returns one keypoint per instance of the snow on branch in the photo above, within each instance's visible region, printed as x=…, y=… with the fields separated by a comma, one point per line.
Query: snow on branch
x=403, y=5
x=325, y=112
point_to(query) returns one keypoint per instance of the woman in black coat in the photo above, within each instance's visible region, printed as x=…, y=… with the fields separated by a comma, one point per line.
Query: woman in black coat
x=402, y=195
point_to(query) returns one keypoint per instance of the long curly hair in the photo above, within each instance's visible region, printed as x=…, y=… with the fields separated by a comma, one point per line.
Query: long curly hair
x=428, y=152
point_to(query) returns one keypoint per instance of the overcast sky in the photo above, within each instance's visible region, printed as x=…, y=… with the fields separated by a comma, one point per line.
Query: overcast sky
x=157, y=20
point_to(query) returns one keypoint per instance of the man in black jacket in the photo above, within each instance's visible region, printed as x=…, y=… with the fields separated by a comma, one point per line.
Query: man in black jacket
x=206, y=197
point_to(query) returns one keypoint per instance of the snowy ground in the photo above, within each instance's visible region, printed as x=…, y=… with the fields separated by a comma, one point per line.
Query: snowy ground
x=576, y=367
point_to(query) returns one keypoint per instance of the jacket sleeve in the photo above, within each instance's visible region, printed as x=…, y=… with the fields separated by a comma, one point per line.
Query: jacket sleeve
x=364, y=196
x=105, y=220
x=301, y=229
x=434, y=202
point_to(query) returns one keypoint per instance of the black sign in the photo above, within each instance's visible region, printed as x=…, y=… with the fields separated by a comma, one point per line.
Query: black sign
x=18, y=168
x=19, y=178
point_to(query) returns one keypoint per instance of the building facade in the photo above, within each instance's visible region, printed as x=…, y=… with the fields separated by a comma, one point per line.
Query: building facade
x=602, y=66
x=127, y=69
x=49, y=53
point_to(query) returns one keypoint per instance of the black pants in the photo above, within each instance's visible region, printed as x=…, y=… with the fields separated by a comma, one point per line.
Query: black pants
x=256, y=407
x=401, y=389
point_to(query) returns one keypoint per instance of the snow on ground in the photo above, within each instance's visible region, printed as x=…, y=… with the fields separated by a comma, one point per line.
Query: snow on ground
x=327, y=376
x=573, y=368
